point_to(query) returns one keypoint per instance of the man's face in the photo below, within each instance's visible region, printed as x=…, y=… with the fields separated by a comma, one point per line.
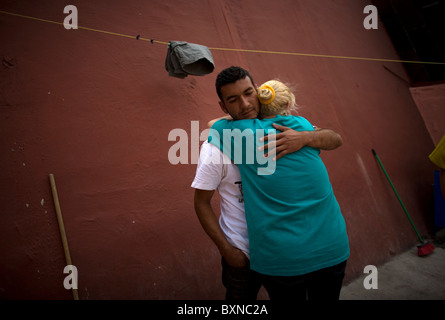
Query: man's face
x=240, y=99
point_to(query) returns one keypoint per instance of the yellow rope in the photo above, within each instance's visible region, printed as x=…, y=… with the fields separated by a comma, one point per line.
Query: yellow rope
x=84, y=28
x=231, y=49
x=326, y=56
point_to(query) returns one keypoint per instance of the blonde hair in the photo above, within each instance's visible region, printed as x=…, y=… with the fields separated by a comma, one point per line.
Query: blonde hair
x=276, y=98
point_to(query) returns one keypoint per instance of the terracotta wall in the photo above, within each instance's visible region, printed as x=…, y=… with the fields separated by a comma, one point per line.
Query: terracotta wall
x=95, y=109
x=430, y=101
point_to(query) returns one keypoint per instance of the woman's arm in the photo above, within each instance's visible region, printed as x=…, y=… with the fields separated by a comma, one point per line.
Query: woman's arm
x=211, y=122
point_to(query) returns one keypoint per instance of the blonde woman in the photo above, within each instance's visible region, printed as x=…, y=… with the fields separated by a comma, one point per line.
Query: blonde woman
x=297, y=234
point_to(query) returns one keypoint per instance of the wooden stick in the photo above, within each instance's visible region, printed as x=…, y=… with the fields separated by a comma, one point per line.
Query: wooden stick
x=62, y=228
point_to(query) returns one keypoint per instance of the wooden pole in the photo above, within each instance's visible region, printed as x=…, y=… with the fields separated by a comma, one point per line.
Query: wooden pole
x=62, y=228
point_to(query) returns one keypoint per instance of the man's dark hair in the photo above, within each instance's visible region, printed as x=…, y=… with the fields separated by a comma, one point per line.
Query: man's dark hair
x=230, y=75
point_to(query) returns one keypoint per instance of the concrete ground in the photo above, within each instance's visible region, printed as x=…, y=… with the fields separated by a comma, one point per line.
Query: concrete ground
x=405, y=277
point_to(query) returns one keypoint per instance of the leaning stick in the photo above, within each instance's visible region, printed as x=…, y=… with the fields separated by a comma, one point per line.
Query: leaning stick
x=62, y=228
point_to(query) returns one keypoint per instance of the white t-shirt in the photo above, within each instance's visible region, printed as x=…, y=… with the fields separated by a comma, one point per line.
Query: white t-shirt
x=215, y=171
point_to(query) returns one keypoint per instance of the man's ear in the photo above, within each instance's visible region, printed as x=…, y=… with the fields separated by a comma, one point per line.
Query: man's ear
x=223, y=107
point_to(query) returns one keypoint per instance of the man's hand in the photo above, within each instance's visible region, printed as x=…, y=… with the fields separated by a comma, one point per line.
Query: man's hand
x=289, y=140
x=234, y=257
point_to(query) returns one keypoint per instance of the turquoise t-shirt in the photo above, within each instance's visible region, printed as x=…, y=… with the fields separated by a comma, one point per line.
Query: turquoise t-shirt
x=294, y=220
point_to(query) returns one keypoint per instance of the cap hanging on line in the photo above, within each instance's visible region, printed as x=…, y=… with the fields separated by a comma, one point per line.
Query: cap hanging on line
x=185, y=59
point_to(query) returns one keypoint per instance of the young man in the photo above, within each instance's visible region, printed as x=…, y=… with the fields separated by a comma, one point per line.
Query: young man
x=238, y=98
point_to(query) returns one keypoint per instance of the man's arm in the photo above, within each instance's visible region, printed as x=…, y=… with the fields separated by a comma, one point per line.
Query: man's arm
x=324, y=139
x=288, y=140
x=202, y=201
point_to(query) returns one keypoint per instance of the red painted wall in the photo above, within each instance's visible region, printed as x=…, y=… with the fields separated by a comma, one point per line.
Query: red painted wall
x=95, y=109
x=430, y=101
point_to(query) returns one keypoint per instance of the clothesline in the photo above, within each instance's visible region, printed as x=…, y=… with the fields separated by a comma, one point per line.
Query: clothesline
x=153, y=41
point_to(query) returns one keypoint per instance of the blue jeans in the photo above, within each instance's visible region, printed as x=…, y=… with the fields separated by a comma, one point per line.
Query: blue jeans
x=321, y=285
x=242, y=284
